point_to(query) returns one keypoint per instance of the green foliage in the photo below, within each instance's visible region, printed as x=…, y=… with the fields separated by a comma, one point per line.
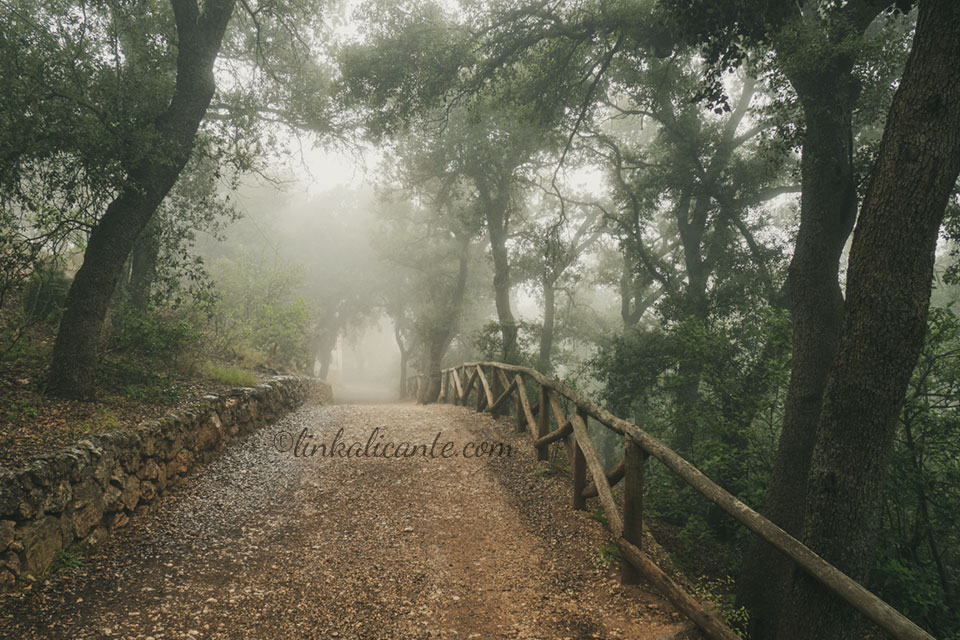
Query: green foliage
x=599, y=516
x=719, y=592
x=550, y=468
x=231, y=375
x=138, y=381
x=742, y=367
x=258, y=308
x=156, y=334
x=168, y=394
x=64, y=559
x=917, y=565
x=20, y=411
x=45, y=293
x=415, y=53
x=284, y=326
x=694, y=532
x=488, y=342
x=606, y=555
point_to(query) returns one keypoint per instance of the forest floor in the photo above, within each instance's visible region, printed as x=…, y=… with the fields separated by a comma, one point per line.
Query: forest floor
x=128, y=392
x=263, y=544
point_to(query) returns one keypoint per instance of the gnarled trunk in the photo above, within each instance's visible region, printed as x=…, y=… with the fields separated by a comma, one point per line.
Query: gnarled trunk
x=501, y=287
x=827, y=213
x=143, y=266
x=73, y=369
x=439, y=340
x=888, y=295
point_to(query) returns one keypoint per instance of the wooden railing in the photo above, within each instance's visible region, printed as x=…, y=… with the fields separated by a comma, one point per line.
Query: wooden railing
x=493, y=384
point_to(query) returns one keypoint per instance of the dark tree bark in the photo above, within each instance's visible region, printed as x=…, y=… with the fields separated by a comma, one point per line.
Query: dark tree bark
x=549, y=320
x=888, y=296
x=439, y=340
x=436, y=348
x=325, y=357
x=404, y=357
x=323, y=346
x=143, y=266
x=498, y=219
x=73, y=368
x=827, y=213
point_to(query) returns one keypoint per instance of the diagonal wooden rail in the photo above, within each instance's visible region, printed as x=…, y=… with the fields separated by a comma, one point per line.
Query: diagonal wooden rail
x=492, y=393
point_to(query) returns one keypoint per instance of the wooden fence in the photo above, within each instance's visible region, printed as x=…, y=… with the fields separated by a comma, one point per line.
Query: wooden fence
x=493, y=384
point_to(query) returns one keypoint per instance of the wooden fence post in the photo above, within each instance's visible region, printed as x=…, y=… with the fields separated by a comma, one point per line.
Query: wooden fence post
x=481, y=396
x=495, y=390
x=543, y=423
x=579, y=470
x=635, y=460
x=579, y=476
x=521, y=415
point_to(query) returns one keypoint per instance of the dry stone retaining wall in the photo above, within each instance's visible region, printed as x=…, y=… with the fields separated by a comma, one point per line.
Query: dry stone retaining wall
x=78, y=495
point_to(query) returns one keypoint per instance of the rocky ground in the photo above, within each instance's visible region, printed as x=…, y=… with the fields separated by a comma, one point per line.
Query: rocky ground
x=263, y=544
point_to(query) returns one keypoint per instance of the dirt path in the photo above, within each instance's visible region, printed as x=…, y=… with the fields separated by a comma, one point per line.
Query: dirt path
x=262, y=544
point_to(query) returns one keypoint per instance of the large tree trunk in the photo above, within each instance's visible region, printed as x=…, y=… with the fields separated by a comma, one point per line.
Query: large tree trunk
x=403, y=374
x=436, y=348
x=827, y=213
x=439, y=340
x=73, y=369
x=497, y=215
x=549, y=319
x=324, y=344
x=404, y=358
x=686, y=396
x=143, y=266
x=888, y=295
x=325, y=358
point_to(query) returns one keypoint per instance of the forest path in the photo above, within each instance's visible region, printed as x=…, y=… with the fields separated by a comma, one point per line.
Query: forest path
x=263, y=544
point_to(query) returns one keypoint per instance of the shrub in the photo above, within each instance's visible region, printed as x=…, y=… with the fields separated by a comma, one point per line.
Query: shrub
x=45, y=293
x=234, y=376
x=152, y=334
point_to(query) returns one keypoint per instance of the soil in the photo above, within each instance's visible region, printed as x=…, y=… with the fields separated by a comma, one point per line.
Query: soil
x=32, y=423
x=263, y=544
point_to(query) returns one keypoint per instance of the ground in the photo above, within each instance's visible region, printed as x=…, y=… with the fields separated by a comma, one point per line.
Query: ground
x=263, y=544
x=128, y=392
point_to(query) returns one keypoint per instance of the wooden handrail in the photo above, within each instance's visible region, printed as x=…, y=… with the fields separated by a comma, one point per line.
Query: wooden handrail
x=867, y=603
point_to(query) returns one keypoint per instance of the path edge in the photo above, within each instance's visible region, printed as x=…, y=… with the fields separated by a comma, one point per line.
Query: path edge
x=77, y=496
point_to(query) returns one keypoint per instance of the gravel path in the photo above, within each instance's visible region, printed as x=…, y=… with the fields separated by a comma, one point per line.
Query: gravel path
x=263, y=544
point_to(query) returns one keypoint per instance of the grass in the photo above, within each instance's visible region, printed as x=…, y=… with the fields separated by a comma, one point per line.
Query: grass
x=228, y=374
x=606, y=555
x=600, y=517
x=63, y=559
x=720, y=592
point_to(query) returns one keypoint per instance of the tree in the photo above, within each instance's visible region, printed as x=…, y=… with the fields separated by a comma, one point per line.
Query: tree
x=112, y=102
x=820, y=48
x=684, y=182
x=888, y=294
x=429, y=248
x=549, y=248
x=919, y=542
x=163, y=265
x=150, y=178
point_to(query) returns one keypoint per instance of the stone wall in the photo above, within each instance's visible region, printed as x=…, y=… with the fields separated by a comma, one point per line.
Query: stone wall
x=78, y=495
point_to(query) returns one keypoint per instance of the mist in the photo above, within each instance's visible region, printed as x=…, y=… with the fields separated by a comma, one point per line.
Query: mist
x=732, y=225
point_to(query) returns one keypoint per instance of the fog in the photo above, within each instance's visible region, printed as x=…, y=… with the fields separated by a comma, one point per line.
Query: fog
x=313, y=221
